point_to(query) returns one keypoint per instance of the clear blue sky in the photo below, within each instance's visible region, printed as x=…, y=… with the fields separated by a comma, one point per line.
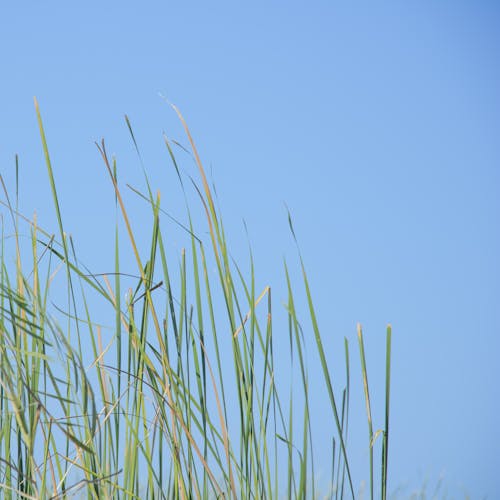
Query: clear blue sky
x=378, y=125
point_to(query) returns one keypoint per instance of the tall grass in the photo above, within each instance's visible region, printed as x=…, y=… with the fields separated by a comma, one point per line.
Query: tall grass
x=187, y=398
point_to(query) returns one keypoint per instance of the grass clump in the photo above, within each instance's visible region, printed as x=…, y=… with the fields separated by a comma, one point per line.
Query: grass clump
x=156, y=409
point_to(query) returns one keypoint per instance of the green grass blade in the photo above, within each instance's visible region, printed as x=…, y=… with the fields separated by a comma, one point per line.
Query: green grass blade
x=385, y=446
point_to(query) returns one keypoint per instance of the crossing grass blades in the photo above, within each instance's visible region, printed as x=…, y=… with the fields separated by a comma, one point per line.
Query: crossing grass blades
x=182, y=397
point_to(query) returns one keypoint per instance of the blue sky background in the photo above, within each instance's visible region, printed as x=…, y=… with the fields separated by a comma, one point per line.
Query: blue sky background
x=378, y=125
